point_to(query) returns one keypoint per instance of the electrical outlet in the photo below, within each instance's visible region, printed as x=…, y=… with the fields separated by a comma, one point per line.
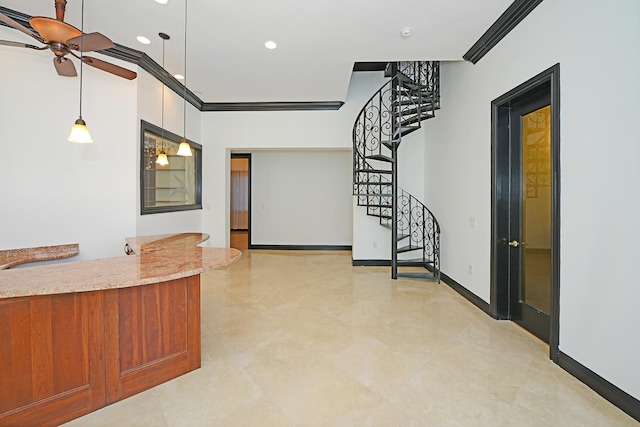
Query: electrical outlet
x=472, y=222
x=470, y=270
x=375, y=245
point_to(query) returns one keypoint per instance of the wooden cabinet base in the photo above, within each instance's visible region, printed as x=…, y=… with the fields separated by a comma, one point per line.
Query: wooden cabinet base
x=65, y=355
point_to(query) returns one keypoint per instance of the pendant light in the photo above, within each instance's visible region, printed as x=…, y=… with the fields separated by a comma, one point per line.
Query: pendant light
x=162, y=157
x=79, y=131
x=185, y=149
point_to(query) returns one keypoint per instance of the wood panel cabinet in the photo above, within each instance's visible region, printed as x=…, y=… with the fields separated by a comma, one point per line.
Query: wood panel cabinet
x=158, y=335
x=65, y=355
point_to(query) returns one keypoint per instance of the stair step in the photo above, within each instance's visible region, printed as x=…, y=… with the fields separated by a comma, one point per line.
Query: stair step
x=373, y=170
x=390, y=144
x=416, y=119
x=402, y=237
x=406, y=130
x=372, y=183
x=380, y=157
x=371, y=205
x=413, y=100
x=377, y=215
x=407, y=83
x=417, y=262
x=423, y=108
x=410, y=247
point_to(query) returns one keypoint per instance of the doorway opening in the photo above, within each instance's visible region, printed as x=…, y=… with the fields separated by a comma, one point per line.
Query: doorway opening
x=240, y=201
x=525, y=237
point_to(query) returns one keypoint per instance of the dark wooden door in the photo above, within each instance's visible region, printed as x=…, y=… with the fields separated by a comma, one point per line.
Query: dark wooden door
x=529, y=216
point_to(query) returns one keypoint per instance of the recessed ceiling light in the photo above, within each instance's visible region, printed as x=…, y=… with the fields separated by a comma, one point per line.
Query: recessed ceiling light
x=405, y=33
x=143, y=40
x=162, y=1
x=179, y=76
x=270, y=45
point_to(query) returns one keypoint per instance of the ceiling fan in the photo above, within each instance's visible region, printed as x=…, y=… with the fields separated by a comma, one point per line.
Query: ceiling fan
x=63, y=39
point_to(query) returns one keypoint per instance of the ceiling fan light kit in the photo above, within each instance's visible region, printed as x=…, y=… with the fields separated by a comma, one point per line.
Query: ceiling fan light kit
x=63, y=39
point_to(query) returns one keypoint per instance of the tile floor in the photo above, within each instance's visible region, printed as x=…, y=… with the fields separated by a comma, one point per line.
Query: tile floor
x=302, y=338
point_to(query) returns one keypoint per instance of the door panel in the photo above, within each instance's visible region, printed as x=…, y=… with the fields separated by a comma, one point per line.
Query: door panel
x=530, y=213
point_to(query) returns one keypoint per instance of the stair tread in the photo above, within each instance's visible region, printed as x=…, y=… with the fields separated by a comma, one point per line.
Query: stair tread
x=406, y=130
x=380, y=215
x=409, y=247
x=412, y=262
x=373, y=170
x=380, y=157
x=416, y=119
x=371, y=183
x=424, y=107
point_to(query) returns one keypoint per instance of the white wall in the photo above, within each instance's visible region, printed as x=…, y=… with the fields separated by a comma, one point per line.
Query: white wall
x=301, y=197
x=55, y=191
x=223, y=132
x=598, y=47
x=149, y=109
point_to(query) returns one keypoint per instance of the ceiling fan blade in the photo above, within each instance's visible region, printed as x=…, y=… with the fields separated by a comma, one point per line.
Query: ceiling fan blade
x=64, y=67
x=110, y=68
x=90, y=42
x=18, y=44
x=10, y=22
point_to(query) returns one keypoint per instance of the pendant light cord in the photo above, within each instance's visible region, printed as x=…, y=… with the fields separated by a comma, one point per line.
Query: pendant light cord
x=162, y=124
x=81, y=54
x=184, y=105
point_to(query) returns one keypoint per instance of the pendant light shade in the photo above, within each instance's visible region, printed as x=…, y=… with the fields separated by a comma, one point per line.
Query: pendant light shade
x=185, y=148
x=162, y=159
x=80, y=133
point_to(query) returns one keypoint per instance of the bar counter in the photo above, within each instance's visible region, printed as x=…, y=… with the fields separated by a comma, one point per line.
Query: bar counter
x=78, y=336
x=156, y=259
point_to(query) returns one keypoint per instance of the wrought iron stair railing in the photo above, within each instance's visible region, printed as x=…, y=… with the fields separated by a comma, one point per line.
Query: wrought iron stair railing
x=395, y=110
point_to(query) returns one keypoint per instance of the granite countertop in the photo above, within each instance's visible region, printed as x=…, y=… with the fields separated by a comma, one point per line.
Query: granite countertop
x=156, y=259
x=12, y=257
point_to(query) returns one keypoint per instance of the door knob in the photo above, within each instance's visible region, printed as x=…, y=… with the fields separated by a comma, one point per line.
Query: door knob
x=514, y=243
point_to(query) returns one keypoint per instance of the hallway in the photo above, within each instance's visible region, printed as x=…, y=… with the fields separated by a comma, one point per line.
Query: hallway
x=303, y=338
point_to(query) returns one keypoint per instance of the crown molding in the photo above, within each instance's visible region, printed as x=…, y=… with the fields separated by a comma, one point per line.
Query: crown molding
x=514, y=14
x=272, y=106
x=142, y=60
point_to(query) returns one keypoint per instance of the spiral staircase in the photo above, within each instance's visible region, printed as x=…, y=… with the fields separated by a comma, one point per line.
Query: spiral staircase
x=397, y=109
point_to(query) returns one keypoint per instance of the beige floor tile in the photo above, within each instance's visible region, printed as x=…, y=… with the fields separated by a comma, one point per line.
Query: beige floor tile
x=209, y=394
x=302, y=338
x=144, y=409
x=326, y=396
x=379, y=366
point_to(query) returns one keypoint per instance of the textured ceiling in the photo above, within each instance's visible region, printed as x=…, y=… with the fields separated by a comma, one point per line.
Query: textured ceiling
x=318, y=40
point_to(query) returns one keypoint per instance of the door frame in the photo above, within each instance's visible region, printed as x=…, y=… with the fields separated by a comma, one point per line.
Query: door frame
x=248, y=157
x=500, y=109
